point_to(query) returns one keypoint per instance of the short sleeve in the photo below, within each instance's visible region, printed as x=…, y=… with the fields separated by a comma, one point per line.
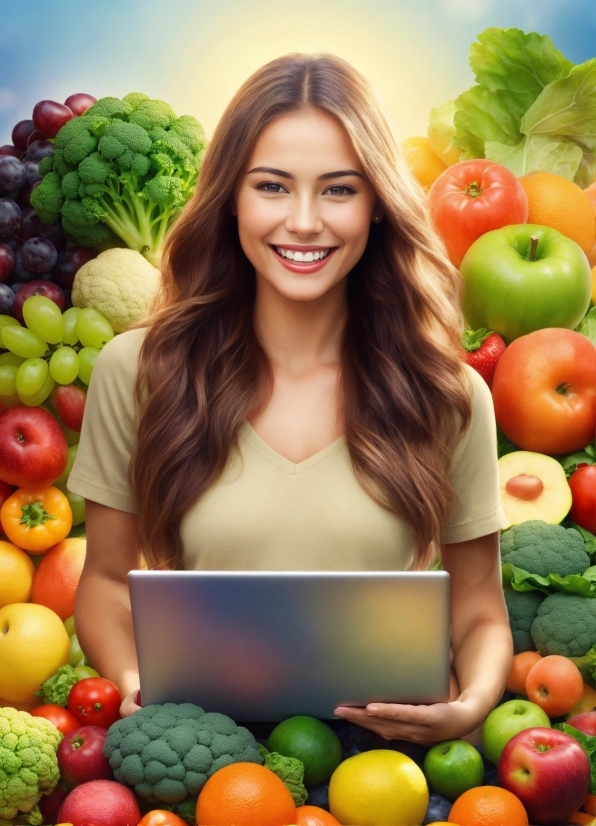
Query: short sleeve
x=473, y=471
x=100, y=469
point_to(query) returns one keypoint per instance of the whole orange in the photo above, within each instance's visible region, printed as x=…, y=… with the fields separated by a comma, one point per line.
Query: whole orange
x=245, y=794
x=314, y=816
x=544, y=391
x=520, y=666
x=423, y=160
x=556, y=202
x=488, y=806
x=57, y=576
x=555, y=684
x=16, y=574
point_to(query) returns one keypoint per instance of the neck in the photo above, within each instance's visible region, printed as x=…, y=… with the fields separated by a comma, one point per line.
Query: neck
x=300, y=336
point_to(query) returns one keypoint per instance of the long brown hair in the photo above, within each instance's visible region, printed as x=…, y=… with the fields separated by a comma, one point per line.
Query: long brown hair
x=202, y=370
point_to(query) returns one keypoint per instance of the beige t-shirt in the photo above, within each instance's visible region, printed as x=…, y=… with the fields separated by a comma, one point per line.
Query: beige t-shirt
x=266, y=512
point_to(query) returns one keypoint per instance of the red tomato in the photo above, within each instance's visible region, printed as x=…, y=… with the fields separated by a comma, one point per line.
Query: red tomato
x=583, y=489
x=95, y=701
x=474, y=197
x=161, y=817
x=60, y=717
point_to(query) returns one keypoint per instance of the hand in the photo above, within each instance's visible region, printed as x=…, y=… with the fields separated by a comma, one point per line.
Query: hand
x=130, y=703
x=417, y=724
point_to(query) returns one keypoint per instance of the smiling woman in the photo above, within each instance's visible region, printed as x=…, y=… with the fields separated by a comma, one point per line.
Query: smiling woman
x=307, y=415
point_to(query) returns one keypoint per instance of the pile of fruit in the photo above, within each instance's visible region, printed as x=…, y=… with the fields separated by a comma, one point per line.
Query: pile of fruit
x=88, y=191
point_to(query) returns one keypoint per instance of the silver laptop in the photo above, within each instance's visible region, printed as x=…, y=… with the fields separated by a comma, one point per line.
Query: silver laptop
x=263, y=646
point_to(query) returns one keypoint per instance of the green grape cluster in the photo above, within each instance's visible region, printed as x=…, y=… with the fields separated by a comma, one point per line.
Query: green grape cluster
x=52, y=347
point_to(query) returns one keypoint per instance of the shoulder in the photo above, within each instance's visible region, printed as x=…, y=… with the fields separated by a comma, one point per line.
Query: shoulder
x=478, y=390
x=123, y=350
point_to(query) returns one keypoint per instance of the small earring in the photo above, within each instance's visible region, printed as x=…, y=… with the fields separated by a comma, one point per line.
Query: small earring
x=377, y=218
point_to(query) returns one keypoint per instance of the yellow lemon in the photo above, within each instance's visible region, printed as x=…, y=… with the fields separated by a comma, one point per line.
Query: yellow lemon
x=378, y=786
x=33, y=645
x=16, y=574
x=423, y=160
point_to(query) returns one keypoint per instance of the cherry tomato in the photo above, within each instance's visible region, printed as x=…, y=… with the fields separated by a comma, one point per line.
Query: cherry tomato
x=161, y=817
x=583, y=489
x=60, y=717
x=95, y=701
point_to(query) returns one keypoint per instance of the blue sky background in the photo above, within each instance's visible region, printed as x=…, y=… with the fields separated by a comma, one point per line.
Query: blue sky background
x=195, y=53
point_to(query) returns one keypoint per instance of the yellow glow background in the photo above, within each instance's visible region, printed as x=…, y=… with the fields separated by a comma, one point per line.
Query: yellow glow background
x=410, y=68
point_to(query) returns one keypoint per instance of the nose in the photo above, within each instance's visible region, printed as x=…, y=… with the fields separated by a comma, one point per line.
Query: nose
x=304, y=216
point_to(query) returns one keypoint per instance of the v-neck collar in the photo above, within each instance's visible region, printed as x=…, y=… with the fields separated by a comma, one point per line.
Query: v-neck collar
x=267, y=452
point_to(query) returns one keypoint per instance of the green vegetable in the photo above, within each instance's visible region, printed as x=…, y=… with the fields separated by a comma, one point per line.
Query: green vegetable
x=587, y=666
x=28, y=764
x=588, y=743
x=541, y=548
x=57, y=687
x=587, y=326
x=565, y=624
x=530, y=109
x=522, y=609
x=126, y=168
x=288, y=769
x=167, y=752
x=119, y=283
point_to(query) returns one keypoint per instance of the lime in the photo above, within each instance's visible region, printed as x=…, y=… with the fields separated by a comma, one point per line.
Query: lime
x=310, y=741
x=378, y=786
x=452, y=767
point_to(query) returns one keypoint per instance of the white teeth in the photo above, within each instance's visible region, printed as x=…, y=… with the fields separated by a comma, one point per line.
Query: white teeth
x=294, y=255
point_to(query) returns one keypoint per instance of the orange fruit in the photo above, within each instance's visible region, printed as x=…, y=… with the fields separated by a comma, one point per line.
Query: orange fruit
x=557, y=202
x=520, y=665
x=33, y=646
x=589, y=804
x=245, y=794
x=488, y=806
x=314, y=816
x=594, y=281
x=582, y=818
x=57, y=576
x=423, y=160
x=555, y=684
x=16, y=574
x=587, y=703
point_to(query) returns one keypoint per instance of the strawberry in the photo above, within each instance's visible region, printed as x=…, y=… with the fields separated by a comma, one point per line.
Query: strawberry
x=483, y=349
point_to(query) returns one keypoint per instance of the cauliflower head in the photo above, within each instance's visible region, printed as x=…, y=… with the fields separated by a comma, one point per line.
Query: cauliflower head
x=168, y=751
x=119, y=283
x=28, y=762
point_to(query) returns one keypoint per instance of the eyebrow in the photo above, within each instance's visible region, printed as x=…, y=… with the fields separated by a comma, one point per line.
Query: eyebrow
x=342, y=173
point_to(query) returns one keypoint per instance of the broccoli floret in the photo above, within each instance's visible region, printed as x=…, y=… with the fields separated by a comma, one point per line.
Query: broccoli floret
x=28, y=762
x=288, y=769
x=522, y=608
x=542, y=548
x=47, y=199
x=135, y=160
x=565, y=624
x=168, y=752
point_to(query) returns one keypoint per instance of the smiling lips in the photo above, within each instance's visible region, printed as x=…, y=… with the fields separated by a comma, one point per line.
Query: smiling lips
x=303, y=259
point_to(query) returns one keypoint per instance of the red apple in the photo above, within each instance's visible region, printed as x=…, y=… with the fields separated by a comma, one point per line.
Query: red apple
x=49, y=805
x=102, y=803
x=33, y=448
x=81, y=758
x=549, y=772
x=69, y=401
x=585, y=722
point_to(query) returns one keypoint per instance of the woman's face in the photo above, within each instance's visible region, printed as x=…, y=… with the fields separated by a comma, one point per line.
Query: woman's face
x=303, y=188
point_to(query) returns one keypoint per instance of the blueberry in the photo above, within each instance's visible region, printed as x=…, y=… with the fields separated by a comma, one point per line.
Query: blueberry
x=318, y=796
x=438, y=809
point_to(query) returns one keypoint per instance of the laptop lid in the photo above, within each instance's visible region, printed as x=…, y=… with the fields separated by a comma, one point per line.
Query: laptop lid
x=263, y=646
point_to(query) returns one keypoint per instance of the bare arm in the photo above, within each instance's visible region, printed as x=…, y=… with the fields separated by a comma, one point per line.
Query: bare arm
x=102, y=610
x=482, y=646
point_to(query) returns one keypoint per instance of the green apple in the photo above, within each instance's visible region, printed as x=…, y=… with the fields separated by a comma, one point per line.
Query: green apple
x=452, y=767
x=515, y=285
x=505, y=721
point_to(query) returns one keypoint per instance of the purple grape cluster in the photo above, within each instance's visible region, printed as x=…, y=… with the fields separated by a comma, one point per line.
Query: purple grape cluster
x=34, y=257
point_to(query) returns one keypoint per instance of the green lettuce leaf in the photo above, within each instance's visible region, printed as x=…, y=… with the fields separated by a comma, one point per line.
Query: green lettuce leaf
x=587, y=326
x=511, y=69
x=537, y=152
x=520, y=580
